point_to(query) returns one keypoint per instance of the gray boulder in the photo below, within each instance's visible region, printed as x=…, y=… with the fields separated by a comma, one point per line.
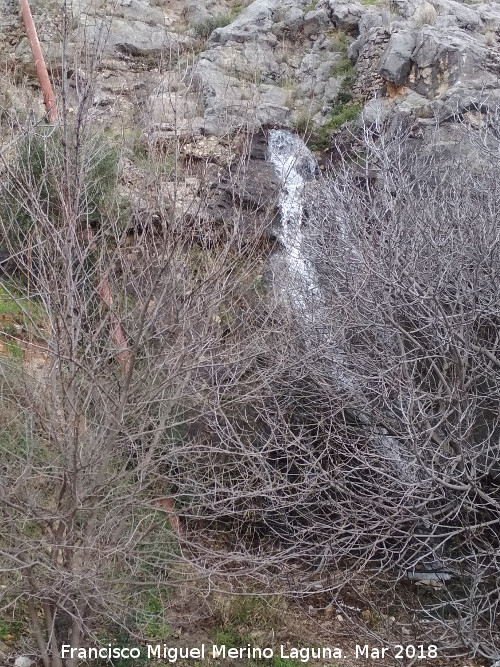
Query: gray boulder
x=253, y=22
x=445, y=58
x=23, y=661
x=135, y=38
x=261, y=70
x=395, y=64
x=462, y=16
x=315, y=21
x=256, y=186
x=293, y=20
x=196, y=12
x=232, y=104
x=343, y=15
x=138, y=10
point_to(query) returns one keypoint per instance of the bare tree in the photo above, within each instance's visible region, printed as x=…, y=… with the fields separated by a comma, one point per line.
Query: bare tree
x=91, y=429
x=366, y=457
x=408, y=261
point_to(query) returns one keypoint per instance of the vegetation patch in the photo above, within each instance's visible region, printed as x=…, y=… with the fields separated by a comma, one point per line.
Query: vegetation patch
x=339, y=41
x=342, y=67
x=345, y=109
x=203, y=29
x=19, y=317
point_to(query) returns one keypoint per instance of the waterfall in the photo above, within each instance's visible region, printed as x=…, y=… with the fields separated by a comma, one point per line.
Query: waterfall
x=297, y=280
x=299, y=286
x=295, y=165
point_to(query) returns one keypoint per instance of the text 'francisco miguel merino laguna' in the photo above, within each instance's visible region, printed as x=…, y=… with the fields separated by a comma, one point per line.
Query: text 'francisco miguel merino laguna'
x=173, y=653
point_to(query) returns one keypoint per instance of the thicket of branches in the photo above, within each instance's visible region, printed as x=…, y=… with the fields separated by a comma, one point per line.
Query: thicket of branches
x=370, y=458
x=221, y=433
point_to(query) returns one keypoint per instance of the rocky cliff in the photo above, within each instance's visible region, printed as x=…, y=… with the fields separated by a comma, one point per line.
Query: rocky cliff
x=207, y=68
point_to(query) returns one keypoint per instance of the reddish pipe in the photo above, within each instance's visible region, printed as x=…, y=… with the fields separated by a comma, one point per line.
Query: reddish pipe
x=117, y=333
x=168, y=504
x=49, y=98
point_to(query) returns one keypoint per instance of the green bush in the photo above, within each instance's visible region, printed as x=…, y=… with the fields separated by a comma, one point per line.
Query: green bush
x=341, y=114
x=48, y=172
x=342, y=66
x=345, y=109
x=203, y=29
x=340, y=42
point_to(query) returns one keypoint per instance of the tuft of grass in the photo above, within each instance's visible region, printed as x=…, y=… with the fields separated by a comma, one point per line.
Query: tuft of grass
x=344, y=111
x=342, y=67
x=426, y=14
x=17, y=314
x=339, y=41
x=287, y=84
x=341, y=114
x=203, y=29
x=16, y=306
x=14, y=349
x=152, y=619
x=312, y=5
x=303, y=124
x=231, y=638
x=282, y=662
x=10, y=629
x=9, y=306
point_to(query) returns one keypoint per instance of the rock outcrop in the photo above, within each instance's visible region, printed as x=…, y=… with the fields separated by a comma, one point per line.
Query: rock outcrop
x=272, y=63
x=199, y=71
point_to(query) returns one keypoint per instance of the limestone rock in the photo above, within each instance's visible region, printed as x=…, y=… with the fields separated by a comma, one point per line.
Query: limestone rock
x=253, y=22
x=232, y=104
x=444, y=58
x=293, y=20
x=210, y=149
x=135, y=38
x=343, y=15
x=257, y=185
x=23, y=661
x=174, y=110
x=315, y=21
x=196, y=12
x=395, y=64
x=138, y=10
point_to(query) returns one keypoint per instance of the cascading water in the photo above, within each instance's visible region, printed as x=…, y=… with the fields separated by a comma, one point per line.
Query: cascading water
x=295, y=166
x=297, y=281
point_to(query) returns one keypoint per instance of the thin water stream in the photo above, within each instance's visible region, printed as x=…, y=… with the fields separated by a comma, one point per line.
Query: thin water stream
x=300, y=288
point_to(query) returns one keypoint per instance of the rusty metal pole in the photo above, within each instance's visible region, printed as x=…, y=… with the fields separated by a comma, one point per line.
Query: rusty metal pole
x=49, y=98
